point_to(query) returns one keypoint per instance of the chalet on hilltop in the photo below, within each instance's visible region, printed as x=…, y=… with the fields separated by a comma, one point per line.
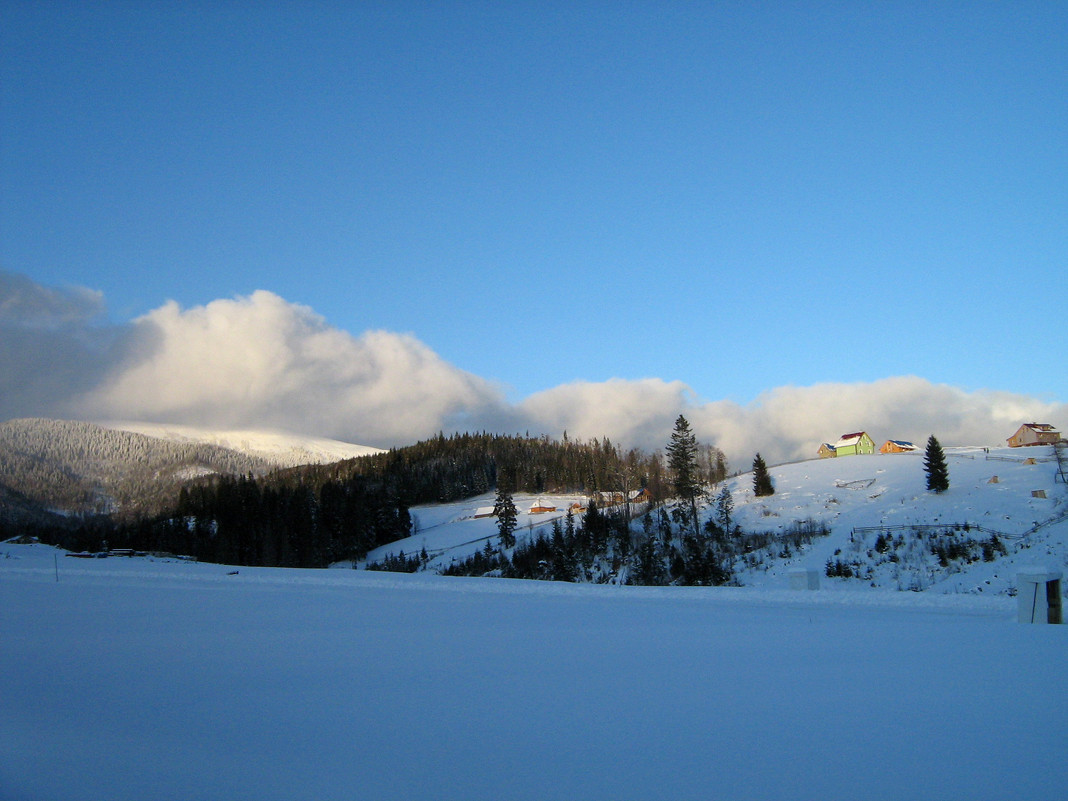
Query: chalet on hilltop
x=854, y=444
x=826, y=451
x=1034, y=434
x=897, y=446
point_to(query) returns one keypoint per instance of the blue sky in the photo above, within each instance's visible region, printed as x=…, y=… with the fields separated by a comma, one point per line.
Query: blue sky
x=735, y=196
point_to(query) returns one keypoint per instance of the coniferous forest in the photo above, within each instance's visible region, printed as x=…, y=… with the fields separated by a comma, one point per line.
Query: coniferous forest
x=315, y=515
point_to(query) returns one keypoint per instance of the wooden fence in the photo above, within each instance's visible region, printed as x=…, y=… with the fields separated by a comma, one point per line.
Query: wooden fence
x=961, y=527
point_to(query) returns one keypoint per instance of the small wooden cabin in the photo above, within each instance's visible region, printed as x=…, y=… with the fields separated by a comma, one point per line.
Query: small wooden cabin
x=826, y=451
x=897, y=446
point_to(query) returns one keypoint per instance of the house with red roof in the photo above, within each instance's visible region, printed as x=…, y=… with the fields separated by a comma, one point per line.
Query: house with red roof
x=854, y=444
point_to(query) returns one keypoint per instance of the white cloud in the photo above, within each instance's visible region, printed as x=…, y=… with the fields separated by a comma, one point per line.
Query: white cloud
x=789, y=423
x=628, y=412
x=50, y=347
x=28, y=305
x=262, y=362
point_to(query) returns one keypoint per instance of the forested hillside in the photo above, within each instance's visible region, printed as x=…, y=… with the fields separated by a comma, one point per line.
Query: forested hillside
x=443, y=468
x=217, y=505
x=84, y=469
x=314, y=515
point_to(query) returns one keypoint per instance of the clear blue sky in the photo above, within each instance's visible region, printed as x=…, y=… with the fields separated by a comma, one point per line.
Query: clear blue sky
x=739, y=196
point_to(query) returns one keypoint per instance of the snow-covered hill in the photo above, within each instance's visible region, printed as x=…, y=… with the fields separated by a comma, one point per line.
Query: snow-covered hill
x=278, y=448
x=75, y=467
x=994, y=492
x=847, y=494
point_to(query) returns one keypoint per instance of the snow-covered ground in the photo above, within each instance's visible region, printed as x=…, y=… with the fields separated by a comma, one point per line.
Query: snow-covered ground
x=845, y=493
x=451, y=531
x=150, y=679
x=855, y=492
x=284, y=450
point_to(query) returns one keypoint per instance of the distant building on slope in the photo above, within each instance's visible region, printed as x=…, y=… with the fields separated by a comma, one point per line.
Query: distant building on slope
x=826, y=451
x=854, y=444
x=1034, y=434
x=539, y=508
x=897, y=446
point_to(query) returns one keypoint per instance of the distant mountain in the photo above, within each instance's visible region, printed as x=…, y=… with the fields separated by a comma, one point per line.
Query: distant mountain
x=84, y=468
x=280, y=450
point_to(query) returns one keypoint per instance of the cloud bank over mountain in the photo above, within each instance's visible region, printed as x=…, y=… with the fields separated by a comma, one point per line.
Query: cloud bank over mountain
x=263, y=362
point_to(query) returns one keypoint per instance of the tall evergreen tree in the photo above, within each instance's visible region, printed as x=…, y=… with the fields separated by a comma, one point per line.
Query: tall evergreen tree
x=725, y=509
x=507, y=517
x=682, y=460
x=762, y=485
x=934, y=464
x=719, y=472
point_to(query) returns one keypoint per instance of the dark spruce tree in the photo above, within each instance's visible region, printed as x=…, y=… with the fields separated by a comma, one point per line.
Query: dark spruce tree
x=934, y=464
x=724, y=509
x=762, y=485
x=507, y=517
x=682, y=461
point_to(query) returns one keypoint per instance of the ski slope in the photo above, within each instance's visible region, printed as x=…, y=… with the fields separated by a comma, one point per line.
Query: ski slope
x=139, y=678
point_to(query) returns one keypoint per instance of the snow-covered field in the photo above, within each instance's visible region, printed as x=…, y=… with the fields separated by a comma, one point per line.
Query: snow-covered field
x=146, y=679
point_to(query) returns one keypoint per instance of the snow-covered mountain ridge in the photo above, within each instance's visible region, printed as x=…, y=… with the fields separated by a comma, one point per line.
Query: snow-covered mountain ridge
x=278, y=448
x=76, y=467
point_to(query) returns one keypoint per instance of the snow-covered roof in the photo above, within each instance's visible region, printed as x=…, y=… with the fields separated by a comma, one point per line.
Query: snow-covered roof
x=1044, y=427
x=902, y=443
x=848, y=439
